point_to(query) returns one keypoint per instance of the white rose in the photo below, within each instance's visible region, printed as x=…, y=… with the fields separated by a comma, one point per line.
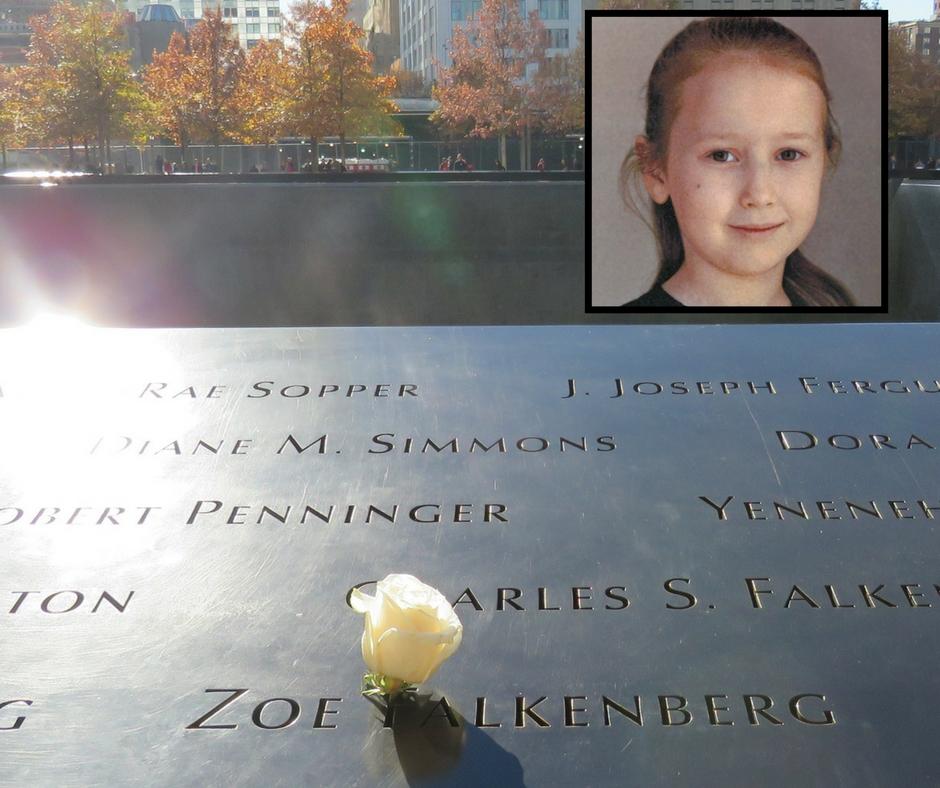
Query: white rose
x=410, y=628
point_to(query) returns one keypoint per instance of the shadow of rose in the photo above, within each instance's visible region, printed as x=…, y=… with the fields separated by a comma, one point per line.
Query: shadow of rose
x=434, y=744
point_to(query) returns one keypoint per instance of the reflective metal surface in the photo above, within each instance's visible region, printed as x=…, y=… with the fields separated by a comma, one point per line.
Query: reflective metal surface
x=160, y=588
x=913, y=243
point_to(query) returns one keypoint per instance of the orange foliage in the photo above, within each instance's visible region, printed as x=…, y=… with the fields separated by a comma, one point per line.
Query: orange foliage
x=170, y=85
x=263, y=93
x=485, y=91
x=79, y=76
x=334, y=91
x=502, y=82
x=193, y=86
x=12, y=109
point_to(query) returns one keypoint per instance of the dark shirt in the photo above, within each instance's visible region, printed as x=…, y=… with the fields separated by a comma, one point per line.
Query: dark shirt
x=655, y=296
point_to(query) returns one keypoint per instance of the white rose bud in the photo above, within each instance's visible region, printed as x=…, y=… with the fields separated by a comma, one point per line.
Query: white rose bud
x=410, y=628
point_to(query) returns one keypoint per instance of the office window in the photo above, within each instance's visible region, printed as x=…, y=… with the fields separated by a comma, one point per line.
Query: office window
x=256, y=28
x=230, y=12
x=274, y=27
x=252, y=12
x=553, y=9
x=558, y=37
x=457, y=13
x=274, y=11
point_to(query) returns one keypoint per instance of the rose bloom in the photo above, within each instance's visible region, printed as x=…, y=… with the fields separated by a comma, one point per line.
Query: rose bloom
x=744, y=167
x=410, y=628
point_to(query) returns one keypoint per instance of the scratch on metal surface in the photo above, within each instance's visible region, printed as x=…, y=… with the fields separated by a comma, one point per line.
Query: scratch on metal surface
x=626, y=745
x=766, y=449
x=908, y=467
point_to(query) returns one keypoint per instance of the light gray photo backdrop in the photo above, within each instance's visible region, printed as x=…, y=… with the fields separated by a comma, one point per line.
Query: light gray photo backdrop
x=846, y=240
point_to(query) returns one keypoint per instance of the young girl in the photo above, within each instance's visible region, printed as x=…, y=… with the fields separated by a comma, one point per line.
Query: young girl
x=738, y=137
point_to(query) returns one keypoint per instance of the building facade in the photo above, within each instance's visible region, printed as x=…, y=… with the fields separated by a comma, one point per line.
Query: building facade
x=253, y=20
x=380, y=23
x=922, y=37
x=15, y=31
x=427, y=27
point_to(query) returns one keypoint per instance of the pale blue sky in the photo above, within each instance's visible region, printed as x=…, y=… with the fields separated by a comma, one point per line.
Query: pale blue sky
x=907, y=10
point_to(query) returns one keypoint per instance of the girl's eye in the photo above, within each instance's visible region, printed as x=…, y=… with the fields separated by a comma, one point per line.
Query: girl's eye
x=790, y=155
x=722, y=156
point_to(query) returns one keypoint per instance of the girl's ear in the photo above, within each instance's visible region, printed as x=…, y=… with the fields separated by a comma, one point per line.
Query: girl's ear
x=653, y=176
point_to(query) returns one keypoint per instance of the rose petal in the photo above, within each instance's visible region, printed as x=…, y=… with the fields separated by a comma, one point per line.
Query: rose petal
x=368, y=645
x=411, y=656
x=361, y=602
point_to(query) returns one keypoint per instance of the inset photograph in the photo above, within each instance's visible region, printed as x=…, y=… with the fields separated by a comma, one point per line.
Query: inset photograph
x=736, y=162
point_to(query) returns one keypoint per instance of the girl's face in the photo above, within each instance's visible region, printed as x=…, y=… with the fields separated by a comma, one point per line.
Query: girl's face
x=745, y=163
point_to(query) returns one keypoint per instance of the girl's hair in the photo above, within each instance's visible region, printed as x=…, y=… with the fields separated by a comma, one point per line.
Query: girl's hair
x=686, y=54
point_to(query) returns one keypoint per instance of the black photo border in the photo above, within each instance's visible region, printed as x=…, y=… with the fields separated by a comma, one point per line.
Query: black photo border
x=690, y=14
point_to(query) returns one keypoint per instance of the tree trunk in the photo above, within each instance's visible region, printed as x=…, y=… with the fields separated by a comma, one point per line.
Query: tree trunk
x=527, y=133
x=71, y=152
x=3, y=145
x=504, y=160
x=101, y=145
x=342, y=146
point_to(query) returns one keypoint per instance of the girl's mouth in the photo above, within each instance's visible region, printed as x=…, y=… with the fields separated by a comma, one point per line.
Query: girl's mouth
x=756, y=229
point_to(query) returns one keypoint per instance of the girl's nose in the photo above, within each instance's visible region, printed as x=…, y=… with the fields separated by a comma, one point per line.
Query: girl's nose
x=758, y=191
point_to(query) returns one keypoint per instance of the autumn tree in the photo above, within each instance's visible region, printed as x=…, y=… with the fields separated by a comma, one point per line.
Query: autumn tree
x=80, y=73
x=170, y=85
x=913, y=90
x=334, y=91
x=486, y=92
x=193, y=85
x=12, y=110
x=408, y=84
x=558, y=91
x=54, y=111
x=264, y=92
x=216, y=66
